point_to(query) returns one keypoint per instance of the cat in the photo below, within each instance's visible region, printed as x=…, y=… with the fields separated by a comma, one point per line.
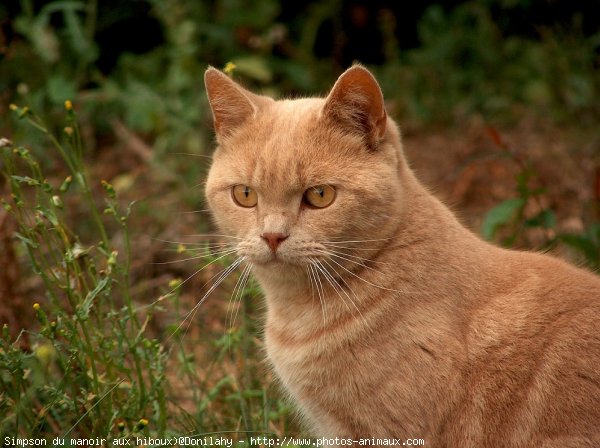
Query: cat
x=385, y=316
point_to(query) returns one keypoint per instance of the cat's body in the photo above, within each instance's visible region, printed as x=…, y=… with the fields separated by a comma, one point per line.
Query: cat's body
x=386, y=317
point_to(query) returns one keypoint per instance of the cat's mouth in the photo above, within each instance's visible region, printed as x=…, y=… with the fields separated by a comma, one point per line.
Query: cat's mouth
x=287, y=254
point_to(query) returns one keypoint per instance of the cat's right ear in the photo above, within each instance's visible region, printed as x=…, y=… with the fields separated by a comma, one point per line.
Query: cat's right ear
x=231, y=104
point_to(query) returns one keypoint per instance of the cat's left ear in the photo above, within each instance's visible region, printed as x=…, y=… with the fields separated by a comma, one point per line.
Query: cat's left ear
x=356, y=103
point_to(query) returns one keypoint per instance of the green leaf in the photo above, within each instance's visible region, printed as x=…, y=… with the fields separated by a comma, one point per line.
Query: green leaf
x=83, y=310
x=500, y=215
x=587, y=243
x=545, y=219
x=29, y=242
x=61, y=89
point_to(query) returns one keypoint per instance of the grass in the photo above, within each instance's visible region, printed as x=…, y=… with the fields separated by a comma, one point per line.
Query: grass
x=96, y=364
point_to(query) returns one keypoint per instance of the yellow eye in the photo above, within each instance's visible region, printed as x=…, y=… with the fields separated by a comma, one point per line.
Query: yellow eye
x=320, y=196
x=244, y=195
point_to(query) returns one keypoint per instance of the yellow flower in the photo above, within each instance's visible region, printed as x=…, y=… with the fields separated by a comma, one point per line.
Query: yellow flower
x=36, y=306
x=229, y=68
x=13, y=107
x=68, y=105
x=69, y=131
x=175, y=283
x=45, y=353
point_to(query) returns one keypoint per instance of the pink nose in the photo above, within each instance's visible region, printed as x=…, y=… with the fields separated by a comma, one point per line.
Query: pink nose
x=273, y=239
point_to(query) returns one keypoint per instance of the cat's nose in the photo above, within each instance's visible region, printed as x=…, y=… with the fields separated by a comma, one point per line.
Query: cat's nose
x=273, y=239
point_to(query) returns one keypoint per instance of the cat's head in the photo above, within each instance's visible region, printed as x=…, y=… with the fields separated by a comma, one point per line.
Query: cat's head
x=292, y=180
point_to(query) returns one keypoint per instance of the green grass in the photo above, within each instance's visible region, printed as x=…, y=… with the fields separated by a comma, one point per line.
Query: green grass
x=97, y=366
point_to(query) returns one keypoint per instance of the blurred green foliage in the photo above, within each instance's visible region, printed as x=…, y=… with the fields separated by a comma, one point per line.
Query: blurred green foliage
x=464, y=63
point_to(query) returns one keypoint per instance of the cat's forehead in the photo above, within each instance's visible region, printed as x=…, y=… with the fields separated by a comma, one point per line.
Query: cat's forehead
x=287, y=148
x=286, y=144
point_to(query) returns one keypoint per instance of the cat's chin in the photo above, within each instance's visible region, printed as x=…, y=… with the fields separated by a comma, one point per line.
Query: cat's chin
x=278, y=264
x=280, y=280
x=277, y=268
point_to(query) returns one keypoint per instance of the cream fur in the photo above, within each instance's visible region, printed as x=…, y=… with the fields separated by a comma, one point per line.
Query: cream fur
x=430, y=332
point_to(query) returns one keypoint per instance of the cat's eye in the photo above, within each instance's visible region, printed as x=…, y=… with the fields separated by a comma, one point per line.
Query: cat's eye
x=320, y=196
x=244, y=196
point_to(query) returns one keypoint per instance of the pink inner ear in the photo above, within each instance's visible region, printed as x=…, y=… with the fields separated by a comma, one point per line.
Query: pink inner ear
x=230, y=104
x=356, y=102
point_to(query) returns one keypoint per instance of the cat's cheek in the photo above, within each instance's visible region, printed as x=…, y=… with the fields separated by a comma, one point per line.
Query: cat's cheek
x=231, y=221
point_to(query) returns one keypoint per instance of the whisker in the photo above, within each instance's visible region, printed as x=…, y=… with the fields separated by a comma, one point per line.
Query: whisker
x=191, y=212
x=233, y=299
x=184, y=243
x=313, y=276
x=198, y=257
x=106, y=394
x=190, y=315
x=190, y=154
x=363, y=280
x=348, y=287
x=320, y=291
x=241, y=290
x=350, y=261
x=329, y=280
x=337, y=287
x=212, y=235
x=327, y=243
x=362, y=241
x=354, y=256
x=201, y=247
x=182, y=283
x=310, y=283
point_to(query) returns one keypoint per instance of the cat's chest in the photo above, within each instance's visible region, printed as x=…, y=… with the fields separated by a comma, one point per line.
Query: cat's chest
x=308, y=363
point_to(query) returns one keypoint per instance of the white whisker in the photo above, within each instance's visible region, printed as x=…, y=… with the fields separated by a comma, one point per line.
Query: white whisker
x=354, y=256
x=360, y=241
x=350, y=261
x=185, y=243
x=319, y=291
x=329, y=280
x=182, y=283
x=348, y=247
x=339, y=288
x=190, y=315
x=362, y=279
x=232, y=301
x=191, y=212
x=202, y=247
x=349, y=289
x=191, y=154
x=236, y=295
x=212, y=235
x=198, y=257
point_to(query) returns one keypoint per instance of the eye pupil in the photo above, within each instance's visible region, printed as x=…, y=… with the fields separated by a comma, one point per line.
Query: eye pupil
x=319, y=196
x=244, y=195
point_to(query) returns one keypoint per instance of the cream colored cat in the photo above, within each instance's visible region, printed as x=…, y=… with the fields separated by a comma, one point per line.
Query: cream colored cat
x=386, y=317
